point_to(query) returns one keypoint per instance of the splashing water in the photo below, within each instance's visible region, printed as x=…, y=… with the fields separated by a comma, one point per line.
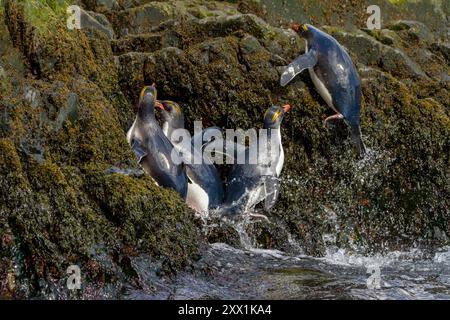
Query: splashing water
x=271, y=274
x=248, y=272
x=253, y=273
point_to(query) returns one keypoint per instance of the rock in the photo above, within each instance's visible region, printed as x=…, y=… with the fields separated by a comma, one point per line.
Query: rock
x=385, y=36
x=267, y=235
x=352, y=15
x=443, y=48
x=142, y=19
x=250, y=45
x=414, y=30
x=389, y=37
x=33, y=150
x=397, y=62
x=103, y=5
x=373, y=53
x=32, y=96
x=62, y=124
x=220, y=231
x=97, y=21
x=69, y=112
x=138, y=43
x=131, y=76
x=6, y=111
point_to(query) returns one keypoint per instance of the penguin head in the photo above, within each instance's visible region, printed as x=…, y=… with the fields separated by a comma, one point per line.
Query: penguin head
x=147, y=101
x=274, y=116
x=302, y=29
x=172, y=113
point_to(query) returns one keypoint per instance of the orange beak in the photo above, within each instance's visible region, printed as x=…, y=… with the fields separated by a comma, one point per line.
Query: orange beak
x=296, y=27
x=287, y=107
x=159, y=105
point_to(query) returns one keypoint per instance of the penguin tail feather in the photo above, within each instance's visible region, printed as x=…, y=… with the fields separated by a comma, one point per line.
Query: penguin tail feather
x=357, y=140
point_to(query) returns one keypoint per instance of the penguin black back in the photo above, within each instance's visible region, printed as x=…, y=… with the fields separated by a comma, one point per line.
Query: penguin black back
x=155, y=152
x=251, y=183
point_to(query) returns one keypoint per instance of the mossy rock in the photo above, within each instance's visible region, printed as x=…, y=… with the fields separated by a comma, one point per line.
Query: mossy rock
x=62, y=126
x=154, y=220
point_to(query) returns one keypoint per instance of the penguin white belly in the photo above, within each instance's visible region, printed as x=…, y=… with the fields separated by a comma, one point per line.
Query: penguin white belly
x=165, y=129
x=320, y=86
x=134, y=132
x=131, y=131
x=197, y=198
x=280, y=159
x=280, y=163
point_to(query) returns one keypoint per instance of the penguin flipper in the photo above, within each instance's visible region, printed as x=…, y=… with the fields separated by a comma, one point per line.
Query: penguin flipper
x=139, y=151
x=272, y=190
x=302, y=62
x=197, y=139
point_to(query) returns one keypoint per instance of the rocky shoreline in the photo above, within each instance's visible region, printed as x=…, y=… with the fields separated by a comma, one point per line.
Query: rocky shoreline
x=68, y=96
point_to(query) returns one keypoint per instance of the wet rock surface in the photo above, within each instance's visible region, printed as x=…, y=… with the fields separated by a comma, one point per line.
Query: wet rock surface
x=71, y=192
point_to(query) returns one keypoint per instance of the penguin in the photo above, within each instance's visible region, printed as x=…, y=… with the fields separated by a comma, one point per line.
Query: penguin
x=334, y=75
x=205, y=188
x=251, y=183
x=173, y=117
x=153, y=149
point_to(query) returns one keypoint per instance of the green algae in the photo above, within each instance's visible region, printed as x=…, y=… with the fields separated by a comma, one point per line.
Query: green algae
x=398, y=2
x=134, y=204
x=43, y=15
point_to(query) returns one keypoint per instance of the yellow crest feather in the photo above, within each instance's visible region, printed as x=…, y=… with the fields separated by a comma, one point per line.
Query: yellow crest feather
x=142, y=92
x=276, y=115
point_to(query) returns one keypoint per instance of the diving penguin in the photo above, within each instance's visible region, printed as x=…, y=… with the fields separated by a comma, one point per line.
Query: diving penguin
x=334, y=75
x=154, y=151
x=205, y=188
x=255, y=181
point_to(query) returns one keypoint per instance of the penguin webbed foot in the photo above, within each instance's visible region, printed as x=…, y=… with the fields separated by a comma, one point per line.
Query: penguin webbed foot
x=234, y=212
x=337, y=116
x=258, y=215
